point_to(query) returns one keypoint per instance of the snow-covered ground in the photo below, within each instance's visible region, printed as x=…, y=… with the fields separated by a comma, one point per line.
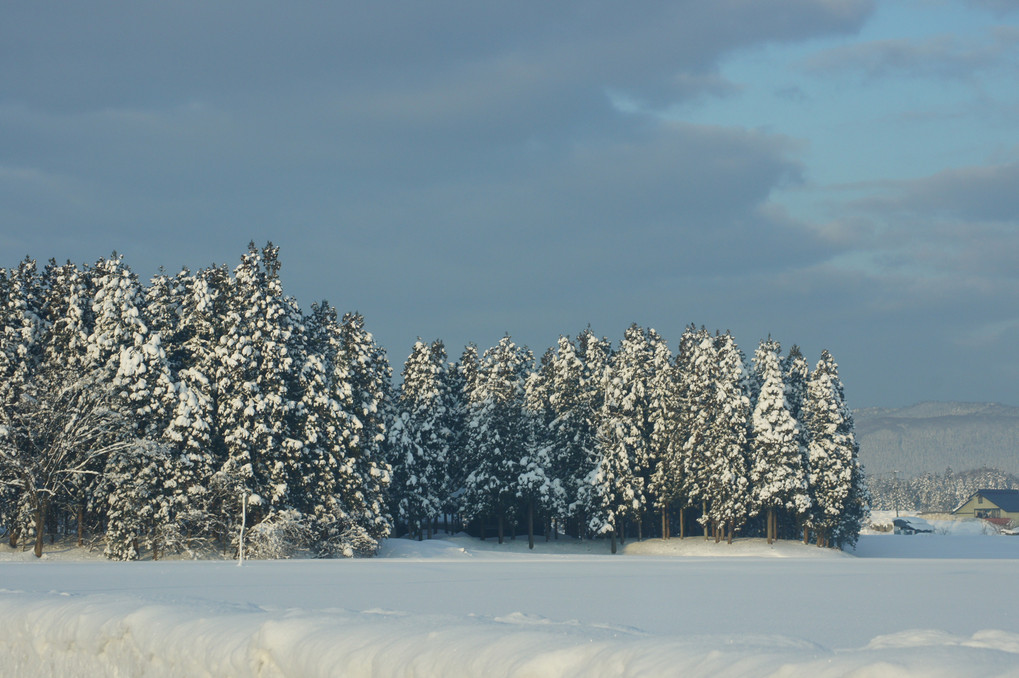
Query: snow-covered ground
x=924, y=605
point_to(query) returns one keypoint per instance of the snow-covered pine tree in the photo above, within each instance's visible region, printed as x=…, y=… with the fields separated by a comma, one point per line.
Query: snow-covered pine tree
x=499, y=434
x=23, y=329
x=797, y=373
x=457, y=378
x=777, y=474
x=570, y=429
x=624, y=432
x=695, y=399
x=362, y=383
x=258, y=375
x=22, y=332
x=195, y=430
x=537, y=488
x=728, y=485
x=418, y=440
x=123, y=351
x=328, y=501
x=666, y=476
x=591, y=506
x=836, y=476
x=164, y=307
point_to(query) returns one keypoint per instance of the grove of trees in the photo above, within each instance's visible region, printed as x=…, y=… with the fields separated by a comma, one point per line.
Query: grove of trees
x=144, y=417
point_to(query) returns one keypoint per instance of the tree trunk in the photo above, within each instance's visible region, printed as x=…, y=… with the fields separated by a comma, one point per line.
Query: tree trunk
x=682, y=523
x=40, y=527
x=613, y=541
x=530, y=525
x=501, y=540
x=665, y=524
x=806, y=535
x=12, y=539
x=640, y=529
x=704, y=513
x=732, y=529
x=481, y=521
x=81, y=526
x=771, y=517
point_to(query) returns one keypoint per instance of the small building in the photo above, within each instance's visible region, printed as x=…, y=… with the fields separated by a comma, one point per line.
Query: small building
x=912, y=525
x=997, y=505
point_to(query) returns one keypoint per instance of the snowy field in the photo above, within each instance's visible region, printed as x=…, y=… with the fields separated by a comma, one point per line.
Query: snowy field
x=925, y=605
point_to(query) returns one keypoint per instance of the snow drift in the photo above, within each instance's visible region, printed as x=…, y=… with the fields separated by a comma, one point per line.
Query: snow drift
x=59, y=635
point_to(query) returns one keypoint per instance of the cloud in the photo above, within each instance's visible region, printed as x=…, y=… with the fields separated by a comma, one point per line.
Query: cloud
x=942, y=56
x=451, y=169
x=999, y=7
x=973, y=194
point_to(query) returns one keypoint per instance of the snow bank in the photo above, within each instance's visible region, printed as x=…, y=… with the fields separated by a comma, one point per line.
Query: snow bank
x=752, y=548
x=61, y=635
x=462, y=546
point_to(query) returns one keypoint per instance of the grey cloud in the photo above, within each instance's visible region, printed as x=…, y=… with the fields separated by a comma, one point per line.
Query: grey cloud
x=938, y=57
x=126, y=54
x=981, y=193
x=1000, y=7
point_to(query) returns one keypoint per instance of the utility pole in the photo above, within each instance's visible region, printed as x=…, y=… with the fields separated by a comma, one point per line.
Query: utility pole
x=246, y=498
x=895, y=494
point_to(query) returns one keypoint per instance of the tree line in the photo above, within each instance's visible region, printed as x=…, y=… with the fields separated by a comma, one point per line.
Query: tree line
x=935, y=492
x=153, y=417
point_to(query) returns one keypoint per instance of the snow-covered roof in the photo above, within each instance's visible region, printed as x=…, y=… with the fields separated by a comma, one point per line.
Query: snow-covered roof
x=914, y=523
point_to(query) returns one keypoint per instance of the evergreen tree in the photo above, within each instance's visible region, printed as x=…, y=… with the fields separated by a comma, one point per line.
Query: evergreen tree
x=418, y=440
x=575, y=372
x=728, y=486
x=498, y=433
x=797, y=374
x=22, y=331
x=364, y=387
x=258, y=376
x=537, y=487
x=777, y=473
x=836, y=475
x=666, y=478
x=695, y=400
x=202, y=508
x=624, y=433
x=458, y=379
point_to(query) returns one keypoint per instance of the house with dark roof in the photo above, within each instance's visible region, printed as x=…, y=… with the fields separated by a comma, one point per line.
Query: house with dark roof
x=998, y=505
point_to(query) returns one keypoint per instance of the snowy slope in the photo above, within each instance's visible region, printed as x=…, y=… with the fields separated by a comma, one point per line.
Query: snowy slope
x=929, y=437
x=464, y=608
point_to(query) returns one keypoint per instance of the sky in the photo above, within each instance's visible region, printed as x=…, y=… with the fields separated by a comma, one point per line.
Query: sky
x=837, y=174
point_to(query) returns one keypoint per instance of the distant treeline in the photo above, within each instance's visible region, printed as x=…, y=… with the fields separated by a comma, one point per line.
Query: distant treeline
x=932, y=492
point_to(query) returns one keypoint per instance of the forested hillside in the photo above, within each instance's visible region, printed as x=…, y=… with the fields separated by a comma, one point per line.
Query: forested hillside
x=930, y=437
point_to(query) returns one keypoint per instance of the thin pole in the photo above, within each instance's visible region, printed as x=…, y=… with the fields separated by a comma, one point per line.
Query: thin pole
x=244, y=515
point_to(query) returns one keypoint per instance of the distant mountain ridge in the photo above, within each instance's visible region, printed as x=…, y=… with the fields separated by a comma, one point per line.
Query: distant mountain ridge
x=932, y=436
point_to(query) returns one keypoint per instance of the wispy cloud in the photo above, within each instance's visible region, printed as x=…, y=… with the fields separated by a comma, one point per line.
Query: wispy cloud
x=943, y=56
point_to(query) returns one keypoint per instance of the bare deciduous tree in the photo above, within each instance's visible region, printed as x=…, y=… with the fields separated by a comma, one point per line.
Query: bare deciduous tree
x=56, y=431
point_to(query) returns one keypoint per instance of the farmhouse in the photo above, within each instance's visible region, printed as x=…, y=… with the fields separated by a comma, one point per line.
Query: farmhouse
x=998, y=505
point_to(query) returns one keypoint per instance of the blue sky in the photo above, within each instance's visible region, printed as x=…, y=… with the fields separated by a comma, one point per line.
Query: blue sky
x=837, y=174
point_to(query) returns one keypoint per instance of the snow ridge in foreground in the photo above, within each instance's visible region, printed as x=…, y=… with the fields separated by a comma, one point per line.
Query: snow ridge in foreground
x=68, y=635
